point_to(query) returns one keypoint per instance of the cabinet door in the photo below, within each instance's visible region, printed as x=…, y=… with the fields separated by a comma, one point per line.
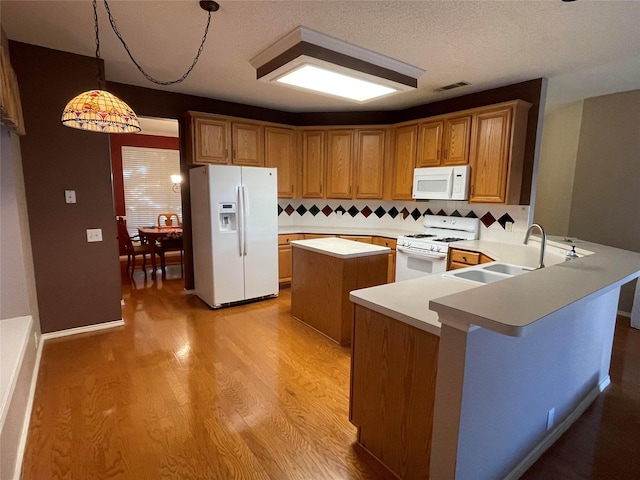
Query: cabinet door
x=370, y=163
x=313, y=164
x=247, y=141
x=491, y=139
x=339, y=163
x=456, y=140
x=284, y=263
x=404, y=161
x=429, y=144
x=280, y=153
x=211, y=141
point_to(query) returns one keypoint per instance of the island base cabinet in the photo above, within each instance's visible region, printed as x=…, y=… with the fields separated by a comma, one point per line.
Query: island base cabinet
x=393, y=381
x=320, y=286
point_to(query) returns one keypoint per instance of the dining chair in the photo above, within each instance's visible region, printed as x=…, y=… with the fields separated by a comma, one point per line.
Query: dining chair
x=172, y=242
x=169, y=219
x=134, y=246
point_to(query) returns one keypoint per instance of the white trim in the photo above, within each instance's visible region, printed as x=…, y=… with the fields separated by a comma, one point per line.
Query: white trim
x=304, y=34
x=5, y=402
x=22, y=443
x=624, y=314
x=557, y=432
x=85, y=329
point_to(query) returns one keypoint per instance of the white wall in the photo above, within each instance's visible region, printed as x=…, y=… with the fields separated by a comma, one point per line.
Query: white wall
x=556, y=171
x=498, y=389
x=18, y=307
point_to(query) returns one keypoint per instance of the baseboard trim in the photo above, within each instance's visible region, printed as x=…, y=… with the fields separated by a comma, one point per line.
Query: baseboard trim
x=624, y=314
x=85, y=329
x=557, y=432
x=22, y=445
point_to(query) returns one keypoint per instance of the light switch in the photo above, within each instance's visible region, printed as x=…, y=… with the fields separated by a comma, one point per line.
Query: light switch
x=94, y=234
x=70, y=196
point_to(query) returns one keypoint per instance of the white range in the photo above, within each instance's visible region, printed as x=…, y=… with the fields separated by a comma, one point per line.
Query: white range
x=425, y=253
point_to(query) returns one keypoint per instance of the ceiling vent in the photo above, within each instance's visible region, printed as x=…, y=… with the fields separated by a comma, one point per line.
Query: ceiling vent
x=452, y=86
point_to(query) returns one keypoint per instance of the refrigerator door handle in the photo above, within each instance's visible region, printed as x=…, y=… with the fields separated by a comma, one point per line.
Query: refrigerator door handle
x=240, y=221
x=245, y=213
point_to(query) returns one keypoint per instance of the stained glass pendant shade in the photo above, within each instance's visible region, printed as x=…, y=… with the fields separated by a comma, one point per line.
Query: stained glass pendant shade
x=100, y=111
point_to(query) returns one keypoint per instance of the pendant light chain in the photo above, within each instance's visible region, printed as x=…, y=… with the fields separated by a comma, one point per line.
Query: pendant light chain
x=99, y=65
x=146, y=75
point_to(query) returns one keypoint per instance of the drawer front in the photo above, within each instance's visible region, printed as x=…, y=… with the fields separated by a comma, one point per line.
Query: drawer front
x=358, y=238
x=462, y=256
x=385, y=242
x=285, y=239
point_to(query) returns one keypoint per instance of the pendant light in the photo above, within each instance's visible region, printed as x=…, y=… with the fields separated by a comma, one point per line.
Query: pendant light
x=100, y=111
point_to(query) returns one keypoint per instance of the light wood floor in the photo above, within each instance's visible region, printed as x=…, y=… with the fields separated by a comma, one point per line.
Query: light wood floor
x=185, y=392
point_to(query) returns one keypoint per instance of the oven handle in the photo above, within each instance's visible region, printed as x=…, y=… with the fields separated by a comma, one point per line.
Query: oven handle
x=425, y=254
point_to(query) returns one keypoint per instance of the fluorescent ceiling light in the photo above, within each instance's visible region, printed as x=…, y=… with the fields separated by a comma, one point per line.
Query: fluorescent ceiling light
x=323, y=80
x=314, y=61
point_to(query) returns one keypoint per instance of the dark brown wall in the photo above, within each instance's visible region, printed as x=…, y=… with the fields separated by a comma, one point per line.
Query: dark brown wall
x=73, y=73
x=78, y=283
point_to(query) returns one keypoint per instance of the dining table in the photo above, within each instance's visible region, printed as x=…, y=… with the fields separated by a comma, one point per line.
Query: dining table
x=152, y=235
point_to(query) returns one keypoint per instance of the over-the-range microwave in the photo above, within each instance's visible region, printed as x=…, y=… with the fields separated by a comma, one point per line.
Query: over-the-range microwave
x=441, y=183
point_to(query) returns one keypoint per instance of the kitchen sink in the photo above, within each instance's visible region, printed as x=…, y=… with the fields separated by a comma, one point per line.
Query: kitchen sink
x=489, y=273
x=506, y=268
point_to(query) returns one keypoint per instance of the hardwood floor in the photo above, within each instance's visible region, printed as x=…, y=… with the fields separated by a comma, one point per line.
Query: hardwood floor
x=185, y=392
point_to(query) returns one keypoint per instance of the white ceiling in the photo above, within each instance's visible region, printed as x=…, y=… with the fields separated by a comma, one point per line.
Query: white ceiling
x=591, y=46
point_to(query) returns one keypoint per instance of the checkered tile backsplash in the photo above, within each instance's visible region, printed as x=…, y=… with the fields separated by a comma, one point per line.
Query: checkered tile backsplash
x=399, y=215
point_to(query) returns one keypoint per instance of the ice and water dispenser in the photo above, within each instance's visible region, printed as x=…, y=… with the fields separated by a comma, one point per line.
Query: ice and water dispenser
x=227, y=217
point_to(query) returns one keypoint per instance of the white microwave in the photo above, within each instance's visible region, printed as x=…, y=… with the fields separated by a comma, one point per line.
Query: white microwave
x=441, y=183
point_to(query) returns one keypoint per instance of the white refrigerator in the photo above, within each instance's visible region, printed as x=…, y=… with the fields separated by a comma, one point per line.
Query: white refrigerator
x=234, y=221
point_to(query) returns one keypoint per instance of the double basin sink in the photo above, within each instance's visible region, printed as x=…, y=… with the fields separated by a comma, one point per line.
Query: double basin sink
x=488, y=273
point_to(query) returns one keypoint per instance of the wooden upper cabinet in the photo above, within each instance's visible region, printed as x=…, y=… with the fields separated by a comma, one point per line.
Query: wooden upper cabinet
x=247, y=144
x=404, y=161
x=339, y=163
x=210, y=141
x=280, y=153
x=370, y=152
x=429, y=152
x=497, y=152
x=313, y=164
x=457, y=131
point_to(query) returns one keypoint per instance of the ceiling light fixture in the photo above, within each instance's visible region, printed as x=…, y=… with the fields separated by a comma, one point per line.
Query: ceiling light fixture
x=100, y=111
x=310, y=60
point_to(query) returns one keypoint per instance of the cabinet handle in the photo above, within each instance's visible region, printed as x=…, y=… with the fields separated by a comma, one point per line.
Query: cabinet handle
x=464, y=258
x=438, y=155
x=226, y=153
x=445, y=153
x=234, y=154
x=473, y=190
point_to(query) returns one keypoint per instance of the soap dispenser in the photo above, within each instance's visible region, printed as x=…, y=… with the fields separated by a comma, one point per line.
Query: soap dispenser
x=571, y=254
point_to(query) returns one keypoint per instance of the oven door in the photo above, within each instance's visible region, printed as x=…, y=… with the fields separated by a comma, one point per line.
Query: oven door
x=410, y=264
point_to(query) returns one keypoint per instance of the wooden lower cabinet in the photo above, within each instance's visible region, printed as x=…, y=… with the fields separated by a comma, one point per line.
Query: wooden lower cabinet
x=320, y=287
x=358, y=238
x=393, y=384
x=465, y=258
x=284, y=256
x=391, y=267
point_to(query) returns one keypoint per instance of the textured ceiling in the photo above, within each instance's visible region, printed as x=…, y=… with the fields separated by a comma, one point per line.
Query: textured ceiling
x=487, y=43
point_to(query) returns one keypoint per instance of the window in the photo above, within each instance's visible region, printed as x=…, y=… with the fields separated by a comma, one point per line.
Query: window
x=148, y=189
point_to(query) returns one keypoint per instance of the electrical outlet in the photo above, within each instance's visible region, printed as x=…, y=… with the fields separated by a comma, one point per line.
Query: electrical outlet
x=550, y=418
x=35, y=339
x=94, y=234
x=70, y=196
x=508, y=227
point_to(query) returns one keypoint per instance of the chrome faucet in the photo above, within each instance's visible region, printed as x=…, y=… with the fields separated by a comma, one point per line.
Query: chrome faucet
x=543, y=242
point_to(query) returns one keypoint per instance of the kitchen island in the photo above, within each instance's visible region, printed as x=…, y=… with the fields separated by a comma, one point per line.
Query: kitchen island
x=504, y=368
x=324, y=271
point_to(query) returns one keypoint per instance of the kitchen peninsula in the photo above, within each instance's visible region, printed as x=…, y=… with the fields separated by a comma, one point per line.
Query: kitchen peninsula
x=493, y=373
x=325, y=270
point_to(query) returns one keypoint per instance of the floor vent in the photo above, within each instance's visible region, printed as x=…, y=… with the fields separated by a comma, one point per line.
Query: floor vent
x=452, y=86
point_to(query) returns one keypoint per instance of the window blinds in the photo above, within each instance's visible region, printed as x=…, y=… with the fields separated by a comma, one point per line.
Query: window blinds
x=148, y=189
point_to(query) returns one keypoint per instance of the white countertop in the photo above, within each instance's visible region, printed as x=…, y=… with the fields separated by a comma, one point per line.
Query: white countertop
x=512, y=305
x=341, y=248
x=374, y=232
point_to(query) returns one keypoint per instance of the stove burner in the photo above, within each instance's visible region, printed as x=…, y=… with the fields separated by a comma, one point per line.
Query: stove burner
x=420, y=235
x=447, y=239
